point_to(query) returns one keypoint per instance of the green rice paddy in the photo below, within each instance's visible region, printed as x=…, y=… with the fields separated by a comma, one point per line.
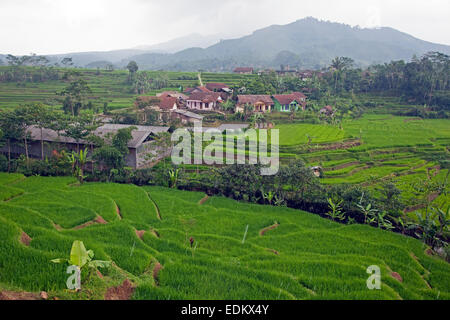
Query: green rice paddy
x=107, y=86
x=305, y=257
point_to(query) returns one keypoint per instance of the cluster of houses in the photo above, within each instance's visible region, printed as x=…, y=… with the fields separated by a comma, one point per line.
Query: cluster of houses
x=189, y=107
x=210, y=97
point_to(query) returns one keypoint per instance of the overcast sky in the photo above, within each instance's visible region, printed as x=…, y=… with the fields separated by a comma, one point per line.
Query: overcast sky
x=62, y=26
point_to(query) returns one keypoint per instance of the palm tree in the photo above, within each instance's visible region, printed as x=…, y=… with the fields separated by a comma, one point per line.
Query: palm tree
x=338, y=65
x=258, y=118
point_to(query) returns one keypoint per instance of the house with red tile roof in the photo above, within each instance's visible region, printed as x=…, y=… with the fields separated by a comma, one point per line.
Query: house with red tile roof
x=216, y=86
x=261, y=102
x=207, y=101
x=328, y=110
x=300, y=97
x=179, y=96
x=190, y=91
x=168, y=103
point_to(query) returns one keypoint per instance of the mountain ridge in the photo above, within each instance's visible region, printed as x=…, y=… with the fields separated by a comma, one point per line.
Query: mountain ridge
x=305, y=43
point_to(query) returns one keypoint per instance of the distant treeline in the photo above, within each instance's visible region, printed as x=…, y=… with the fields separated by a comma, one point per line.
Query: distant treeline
x=422, y=81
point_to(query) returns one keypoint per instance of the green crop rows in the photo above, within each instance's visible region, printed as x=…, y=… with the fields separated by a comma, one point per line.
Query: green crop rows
x=107, y=86
x=306, y=257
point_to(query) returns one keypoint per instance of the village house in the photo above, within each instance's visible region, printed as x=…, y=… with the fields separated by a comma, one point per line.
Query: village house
x=243, y=70
x=190, y=91
x=217, y=87
x=301, y=99
x=186, y=117
x=261, y=103
x=140, y=147
x=328, y=111
x=205, y=101
x=289, y=102
x=222, y=88
x=180, y=96
x=163, y=105
x=165, y=94
x=167, y=103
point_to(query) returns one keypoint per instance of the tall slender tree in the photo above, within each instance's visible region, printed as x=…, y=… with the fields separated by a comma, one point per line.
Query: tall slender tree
x=132, y=68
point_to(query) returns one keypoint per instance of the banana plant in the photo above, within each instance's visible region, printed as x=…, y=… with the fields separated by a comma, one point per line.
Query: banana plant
x=444, y=219
x=369, y=212
x=269, y=196
x=279, y=201
x=82, y=160
x=78, y=162
x=427, y=229
x=82, y=258
x=383, y=222
x=173, y=176
x=335, y=212
x=73, y=161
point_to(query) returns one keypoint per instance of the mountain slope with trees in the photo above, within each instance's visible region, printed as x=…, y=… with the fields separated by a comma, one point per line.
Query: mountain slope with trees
x=306, y=43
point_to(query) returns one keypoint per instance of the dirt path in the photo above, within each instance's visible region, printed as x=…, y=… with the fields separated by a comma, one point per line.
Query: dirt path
x=11, y=295
x=158, y=267
x=97, y=220
x=57, y=226
x=203, y=200
x=263, y=231
x=140, y=233
x=122, y=292
x=25, y=239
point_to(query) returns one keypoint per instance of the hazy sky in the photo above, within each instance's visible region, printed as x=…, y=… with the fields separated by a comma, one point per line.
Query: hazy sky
x=61, y=26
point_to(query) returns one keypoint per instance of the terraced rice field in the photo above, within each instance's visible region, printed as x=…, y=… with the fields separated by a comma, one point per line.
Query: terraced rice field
x=391, y=148
x=286, y=253
x=371, y=150
x=107, y=86
x=381, y=131
x=299, y=134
